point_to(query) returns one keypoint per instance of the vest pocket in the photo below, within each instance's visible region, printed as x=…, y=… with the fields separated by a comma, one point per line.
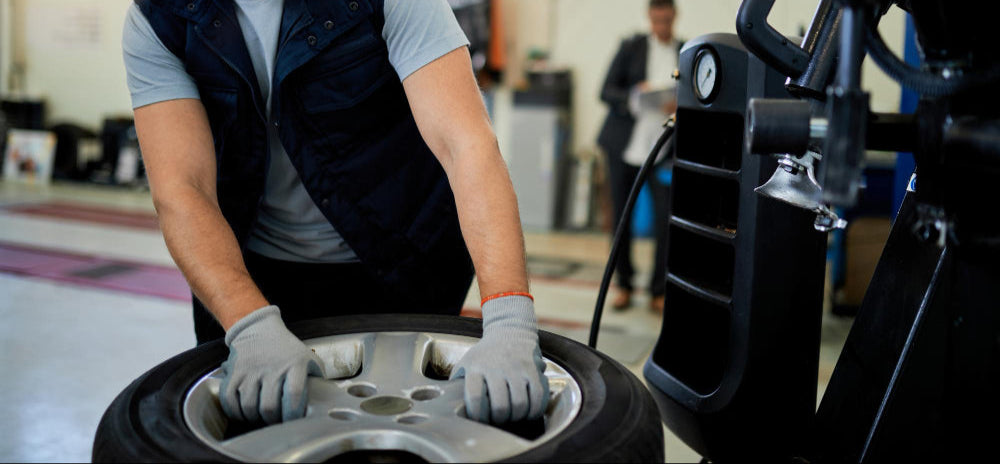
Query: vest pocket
x=346, y=86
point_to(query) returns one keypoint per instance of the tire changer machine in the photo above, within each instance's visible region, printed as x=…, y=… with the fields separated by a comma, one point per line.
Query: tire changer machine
x=770, y=140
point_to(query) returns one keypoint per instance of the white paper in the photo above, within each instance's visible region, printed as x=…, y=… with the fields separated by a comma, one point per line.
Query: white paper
x=77, y=26
x=654, y=99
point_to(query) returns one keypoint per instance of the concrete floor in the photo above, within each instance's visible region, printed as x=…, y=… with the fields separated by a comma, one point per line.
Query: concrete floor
x=66, y=349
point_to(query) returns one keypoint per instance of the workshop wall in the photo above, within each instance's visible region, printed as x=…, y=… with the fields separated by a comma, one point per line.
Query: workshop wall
x=69, y=53
x=5, y=43
x=583, y=35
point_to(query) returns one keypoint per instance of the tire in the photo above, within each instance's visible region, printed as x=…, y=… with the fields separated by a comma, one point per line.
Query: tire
x=618, y=420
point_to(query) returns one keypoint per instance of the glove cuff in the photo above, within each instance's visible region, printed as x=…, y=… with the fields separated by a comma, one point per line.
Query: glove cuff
x=509, y=315
x=262, y=316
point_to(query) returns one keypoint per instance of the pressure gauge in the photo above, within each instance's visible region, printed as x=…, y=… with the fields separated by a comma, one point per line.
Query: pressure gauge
x=706, y=75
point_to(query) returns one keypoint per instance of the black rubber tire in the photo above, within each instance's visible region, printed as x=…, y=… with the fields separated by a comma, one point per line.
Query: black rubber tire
x=618, y=420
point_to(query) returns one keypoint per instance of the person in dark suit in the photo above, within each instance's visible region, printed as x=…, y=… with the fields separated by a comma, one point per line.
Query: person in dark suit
x=643, y=62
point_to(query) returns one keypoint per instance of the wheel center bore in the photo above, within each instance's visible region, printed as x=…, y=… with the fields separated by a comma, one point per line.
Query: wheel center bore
x=386, y=405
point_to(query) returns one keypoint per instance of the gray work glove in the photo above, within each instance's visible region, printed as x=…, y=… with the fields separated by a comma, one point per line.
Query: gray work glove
x=265, y=375
x=504, y=372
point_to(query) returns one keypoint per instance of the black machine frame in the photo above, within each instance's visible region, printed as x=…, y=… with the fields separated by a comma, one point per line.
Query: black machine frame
x=918, y=375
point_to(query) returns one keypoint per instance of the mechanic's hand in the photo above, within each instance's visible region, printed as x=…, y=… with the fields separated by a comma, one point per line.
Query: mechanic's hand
x=265, y=375
x=504, y=372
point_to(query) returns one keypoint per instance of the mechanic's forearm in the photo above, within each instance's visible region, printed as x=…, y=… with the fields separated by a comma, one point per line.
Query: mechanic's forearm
x=179, y=155
x=452, y=119
x=487, y=211
x=205, y=249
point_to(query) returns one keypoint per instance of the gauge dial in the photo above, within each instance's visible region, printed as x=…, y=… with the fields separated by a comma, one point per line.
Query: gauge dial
x=706, y=75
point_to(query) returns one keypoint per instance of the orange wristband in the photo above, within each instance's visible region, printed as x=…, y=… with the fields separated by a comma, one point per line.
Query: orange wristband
x=501, y=295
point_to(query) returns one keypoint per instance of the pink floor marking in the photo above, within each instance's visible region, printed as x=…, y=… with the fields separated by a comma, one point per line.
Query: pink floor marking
x=87, y=213
x=138, y=278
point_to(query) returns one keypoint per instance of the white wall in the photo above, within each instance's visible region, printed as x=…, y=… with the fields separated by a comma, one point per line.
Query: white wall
x=71, y=52
x=5, y=43
x=583, y=35
x=85, y=82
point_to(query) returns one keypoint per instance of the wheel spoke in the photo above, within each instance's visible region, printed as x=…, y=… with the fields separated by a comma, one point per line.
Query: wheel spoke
x=327, y=394
x=450, y=401
x=289, y=441
x=464, y=440
x=454, y=390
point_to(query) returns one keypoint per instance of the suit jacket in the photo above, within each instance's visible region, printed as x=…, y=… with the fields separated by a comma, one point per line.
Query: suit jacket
x=627, y=69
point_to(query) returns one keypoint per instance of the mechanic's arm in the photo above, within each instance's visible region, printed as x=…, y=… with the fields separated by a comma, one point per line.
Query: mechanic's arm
x=452, y=119
x=267, y=380
x=179, y=155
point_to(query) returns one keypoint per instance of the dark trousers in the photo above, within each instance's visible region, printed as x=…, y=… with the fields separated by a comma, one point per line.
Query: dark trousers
x=622, y=175
x=306, y=291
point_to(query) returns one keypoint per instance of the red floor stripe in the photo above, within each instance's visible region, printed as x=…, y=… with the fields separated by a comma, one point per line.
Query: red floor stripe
x=567, y=281
x=137, y=278
x=88, y=213
x=86, y=270
x=543, y=321
x=111, y=216
x=144, y=279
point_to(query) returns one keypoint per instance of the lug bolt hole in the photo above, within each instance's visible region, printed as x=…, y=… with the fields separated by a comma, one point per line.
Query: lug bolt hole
x=425, y=394
x=362, y=391
x=344, y=415
x=412, y=420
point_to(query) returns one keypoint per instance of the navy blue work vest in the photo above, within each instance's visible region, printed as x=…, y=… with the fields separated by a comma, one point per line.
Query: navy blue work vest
x=346, y=124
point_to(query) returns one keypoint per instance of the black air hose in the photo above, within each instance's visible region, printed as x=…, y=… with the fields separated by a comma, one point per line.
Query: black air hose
x=640, y=179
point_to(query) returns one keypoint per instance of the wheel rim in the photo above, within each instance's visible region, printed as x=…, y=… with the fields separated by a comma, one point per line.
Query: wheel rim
x=386, y=392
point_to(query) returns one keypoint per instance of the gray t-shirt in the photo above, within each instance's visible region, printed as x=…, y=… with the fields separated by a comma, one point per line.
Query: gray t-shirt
x=289, y=225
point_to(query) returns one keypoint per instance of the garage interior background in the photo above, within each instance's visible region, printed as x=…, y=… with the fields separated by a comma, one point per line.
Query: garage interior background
x=67, y=54
x=83, y=81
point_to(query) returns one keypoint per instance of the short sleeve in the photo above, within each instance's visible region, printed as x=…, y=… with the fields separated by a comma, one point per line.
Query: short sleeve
x=418, y=32
x=153, y=73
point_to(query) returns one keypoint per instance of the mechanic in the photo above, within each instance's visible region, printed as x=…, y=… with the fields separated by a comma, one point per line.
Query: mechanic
x=643, y=63
x=329, y=158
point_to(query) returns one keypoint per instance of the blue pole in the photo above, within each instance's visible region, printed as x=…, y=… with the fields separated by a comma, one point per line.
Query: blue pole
x=907, y=105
